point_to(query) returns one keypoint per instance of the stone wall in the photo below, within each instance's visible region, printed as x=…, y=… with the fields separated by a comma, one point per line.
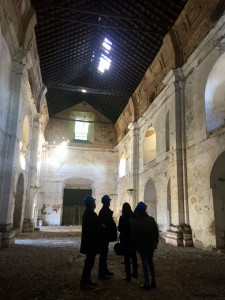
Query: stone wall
x=62, y=125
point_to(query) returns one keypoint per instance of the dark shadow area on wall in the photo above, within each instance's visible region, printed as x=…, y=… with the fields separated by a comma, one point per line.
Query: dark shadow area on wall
x=73, y=206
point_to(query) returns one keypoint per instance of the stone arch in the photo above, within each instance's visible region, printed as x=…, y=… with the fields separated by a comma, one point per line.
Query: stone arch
x=168, y=205
x=149, y=146
x=215, y=95
x=217, y=184
x=167, y=132
x=18, y=202
x=24, y=143
x=150, y=198
x=122, y=166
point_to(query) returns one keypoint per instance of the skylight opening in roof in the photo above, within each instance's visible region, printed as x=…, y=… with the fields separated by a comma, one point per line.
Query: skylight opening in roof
x=105, y=61
x=107, y=44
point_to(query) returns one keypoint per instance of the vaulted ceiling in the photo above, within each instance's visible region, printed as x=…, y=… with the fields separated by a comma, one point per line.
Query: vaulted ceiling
x=70, y=36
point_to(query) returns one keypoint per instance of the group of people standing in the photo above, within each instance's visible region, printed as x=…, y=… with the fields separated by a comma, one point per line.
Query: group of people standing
x=138, y=233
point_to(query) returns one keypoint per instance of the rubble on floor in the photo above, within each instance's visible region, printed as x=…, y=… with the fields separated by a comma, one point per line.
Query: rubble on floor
x=47, y=265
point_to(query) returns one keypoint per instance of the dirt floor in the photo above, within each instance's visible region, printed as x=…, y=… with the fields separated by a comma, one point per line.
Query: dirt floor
x=47, y=265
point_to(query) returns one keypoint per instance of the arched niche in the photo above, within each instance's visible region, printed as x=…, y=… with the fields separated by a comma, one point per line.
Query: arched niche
x=122, y=166
x=24, y=143
x=168, y=205
x=18, y=202
x=167, y=132
x=150, y=198
x=215, y=95
x=149, y=147
x=217, y=184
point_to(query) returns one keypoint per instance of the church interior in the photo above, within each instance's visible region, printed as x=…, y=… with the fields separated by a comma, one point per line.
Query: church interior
x=124, y=98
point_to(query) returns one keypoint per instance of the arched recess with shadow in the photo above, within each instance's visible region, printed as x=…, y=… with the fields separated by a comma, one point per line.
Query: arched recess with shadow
x=215, y=95
x=150, y=198
x=167, y=132
x=149, y=146
x=168, y=205
x=18, y=202
x=217, y=184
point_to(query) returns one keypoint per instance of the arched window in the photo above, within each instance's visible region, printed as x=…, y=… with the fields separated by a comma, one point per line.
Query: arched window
x=215, y=95
x=122, y=166
x=149, y=150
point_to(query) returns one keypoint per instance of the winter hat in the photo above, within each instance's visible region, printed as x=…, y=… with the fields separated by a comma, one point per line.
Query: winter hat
x=141, y=207
x=105, y=199
x=89, y=200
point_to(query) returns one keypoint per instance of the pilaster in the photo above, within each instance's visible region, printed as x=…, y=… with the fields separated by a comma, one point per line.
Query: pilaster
x=134, y=134
x=28, y=223
x=9, y=148
x=177, y=236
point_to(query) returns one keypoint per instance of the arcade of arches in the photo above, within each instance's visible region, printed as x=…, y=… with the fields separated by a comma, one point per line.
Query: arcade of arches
x=169, y=153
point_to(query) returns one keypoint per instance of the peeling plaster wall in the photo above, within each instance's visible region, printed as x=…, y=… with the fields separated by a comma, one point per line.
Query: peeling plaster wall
x=202, y=149
x=62, y=127
x=157, y=169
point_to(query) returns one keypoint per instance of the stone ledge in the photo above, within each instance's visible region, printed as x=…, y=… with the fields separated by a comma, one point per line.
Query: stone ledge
x=174, y=238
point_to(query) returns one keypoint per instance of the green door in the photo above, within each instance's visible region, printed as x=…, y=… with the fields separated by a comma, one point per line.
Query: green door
x=73, y=206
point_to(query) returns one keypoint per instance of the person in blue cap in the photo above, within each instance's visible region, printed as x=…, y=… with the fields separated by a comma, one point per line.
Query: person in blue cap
x=110, y=235
x=92, y=232
x=145, y=236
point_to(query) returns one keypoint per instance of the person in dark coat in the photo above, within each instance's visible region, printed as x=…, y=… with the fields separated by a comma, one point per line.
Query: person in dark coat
x=145, y=236
x=110, y=235
x=92, y=231
x=124, y=227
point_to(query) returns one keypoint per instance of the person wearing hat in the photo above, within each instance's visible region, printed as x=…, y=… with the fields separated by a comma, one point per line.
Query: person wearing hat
x=92, y=231
x=110, y=235
x=145, y=236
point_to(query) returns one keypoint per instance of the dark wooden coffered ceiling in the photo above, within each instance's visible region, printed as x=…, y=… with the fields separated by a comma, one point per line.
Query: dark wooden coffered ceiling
x=70, y=34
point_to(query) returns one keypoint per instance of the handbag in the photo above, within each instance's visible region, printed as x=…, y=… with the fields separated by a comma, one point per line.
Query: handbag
x=119, y=249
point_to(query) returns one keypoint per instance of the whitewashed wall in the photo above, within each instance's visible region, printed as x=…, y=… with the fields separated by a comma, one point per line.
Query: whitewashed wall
x=84, y=168
x=81, y=166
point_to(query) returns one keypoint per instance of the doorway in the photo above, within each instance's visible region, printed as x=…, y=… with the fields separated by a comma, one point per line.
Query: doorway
x=217, y=182
x=73, y=206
